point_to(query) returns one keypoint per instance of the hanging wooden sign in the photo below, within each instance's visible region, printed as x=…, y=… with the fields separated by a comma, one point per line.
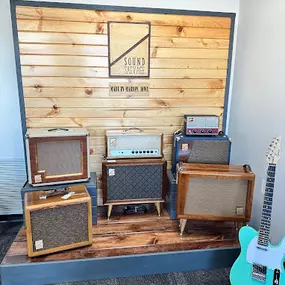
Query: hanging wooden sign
x=129, y=49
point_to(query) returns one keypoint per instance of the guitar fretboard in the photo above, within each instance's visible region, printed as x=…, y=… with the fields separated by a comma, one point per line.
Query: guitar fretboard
x=264, y=231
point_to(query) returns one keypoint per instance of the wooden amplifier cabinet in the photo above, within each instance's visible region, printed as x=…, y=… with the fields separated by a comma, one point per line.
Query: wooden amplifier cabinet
x=214, y=192
x=55, y=224
x=136, y=181
x=57, y=156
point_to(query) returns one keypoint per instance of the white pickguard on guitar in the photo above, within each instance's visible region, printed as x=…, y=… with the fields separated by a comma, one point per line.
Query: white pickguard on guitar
x=271, y=257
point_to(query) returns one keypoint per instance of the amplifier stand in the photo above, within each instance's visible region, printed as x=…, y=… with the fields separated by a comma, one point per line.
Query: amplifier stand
x=157, y=203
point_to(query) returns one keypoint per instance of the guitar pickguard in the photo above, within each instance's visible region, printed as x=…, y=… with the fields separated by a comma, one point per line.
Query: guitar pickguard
x=271, y=257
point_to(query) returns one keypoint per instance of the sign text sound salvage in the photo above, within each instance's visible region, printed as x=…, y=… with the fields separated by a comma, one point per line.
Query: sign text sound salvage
x=129, y=49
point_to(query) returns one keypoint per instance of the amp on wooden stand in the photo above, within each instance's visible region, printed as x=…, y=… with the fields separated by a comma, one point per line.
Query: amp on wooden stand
x=136, y=181
x=214, y=192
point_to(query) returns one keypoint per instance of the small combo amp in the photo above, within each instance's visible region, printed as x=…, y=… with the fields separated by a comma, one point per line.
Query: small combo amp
x=214, y=192
x=137, y=181
x=201, y=125
x=58, y=220
x=133, y=143
x=205, y=150
x=57, y=156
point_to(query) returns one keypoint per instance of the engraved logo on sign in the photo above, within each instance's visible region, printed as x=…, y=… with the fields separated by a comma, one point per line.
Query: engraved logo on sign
x=38, y=178
x=39, y=244
x=113, y=142
x=185, y=147
x=111, y=172
x=239, y=211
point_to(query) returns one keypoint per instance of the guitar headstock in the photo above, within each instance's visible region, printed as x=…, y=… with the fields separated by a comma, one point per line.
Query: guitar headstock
x=273, y=152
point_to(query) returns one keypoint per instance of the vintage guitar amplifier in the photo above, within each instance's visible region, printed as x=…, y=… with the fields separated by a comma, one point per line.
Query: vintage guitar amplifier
x=215, y=150
x=205, y=125
x=214, y=192
x=133, y=143
x=55, y=224
x=57, y=156
x=136, y=181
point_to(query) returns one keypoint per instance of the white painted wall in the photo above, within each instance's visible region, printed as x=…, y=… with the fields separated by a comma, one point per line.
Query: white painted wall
x=258, y=101
x=11, y=147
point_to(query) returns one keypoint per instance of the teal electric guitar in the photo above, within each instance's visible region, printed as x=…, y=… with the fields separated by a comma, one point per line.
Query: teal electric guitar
x=259, y=262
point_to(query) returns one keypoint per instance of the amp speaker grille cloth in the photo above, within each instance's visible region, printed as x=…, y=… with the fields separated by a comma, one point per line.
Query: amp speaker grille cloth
x=206, y=151
x=59, y=226
x=134, y=182
x=52, y=157
x=215, y=196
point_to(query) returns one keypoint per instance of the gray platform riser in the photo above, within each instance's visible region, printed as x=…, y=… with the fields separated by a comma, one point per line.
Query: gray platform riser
x=113, y=267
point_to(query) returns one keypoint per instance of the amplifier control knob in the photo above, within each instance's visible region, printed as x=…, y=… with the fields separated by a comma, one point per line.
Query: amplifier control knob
x=210, y=131
x=202, y=131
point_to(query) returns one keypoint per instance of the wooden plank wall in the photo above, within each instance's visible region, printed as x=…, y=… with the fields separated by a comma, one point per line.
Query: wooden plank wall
x=64, y=62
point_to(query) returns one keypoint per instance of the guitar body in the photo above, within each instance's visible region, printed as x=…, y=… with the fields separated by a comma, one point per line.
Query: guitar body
x=273, y=258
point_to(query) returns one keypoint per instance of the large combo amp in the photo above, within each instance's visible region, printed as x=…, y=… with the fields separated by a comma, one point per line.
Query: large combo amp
x=133, y=143
x=58, y=220
x=193, y=149
x=214, y=192
x=57, y=156
x=136, y=181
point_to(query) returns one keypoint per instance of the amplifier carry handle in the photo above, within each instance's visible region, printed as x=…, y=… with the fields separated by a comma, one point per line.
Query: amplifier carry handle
x=133, y=129
x=58, y=129
x=247, y=168
x=55, y=192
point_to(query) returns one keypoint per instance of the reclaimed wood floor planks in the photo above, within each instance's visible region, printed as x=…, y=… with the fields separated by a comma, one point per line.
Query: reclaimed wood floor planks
x=135, y=234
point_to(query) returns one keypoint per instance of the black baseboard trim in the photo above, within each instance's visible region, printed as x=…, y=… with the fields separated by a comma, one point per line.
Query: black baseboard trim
x=11, y=218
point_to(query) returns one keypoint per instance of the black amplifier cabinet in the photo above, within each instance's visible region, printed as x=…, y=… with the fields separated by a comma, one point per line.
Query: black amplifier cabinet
x=198, y=149
x=136, y=181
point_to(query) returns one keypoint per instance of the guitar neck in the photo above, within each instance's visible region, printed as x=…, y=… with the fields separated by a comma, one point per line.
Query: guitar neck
x=265, y=224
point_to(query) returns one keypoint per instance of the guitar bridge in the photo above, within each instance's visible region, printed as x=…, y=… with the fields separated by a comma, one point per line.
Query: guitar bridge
x=259, y=272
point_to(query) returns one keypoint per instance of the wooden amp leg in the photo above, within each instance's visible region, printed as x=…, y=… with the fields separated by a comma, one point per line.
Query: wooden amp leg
x=157, y=205
x=110, y=207
x=182, y=225
x=239, y=225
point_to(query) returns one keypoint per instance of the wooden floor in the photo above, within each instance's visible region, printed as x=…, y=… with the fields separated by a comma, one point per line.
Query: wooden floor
x=135, y=234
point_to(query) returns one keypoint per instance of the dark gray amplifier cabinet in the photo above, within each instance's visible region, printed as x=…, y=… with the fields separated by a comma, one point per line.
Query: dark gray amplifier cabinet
x=198, y=149
x=90, y=185
x=171, y=193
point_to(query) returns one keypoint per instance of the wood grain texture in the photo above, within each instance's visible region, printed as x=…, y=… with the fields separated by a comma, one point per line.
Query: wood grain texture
x=104, y=83
x=101, y=28
x=37, y=13
x=64, y=62
x=51, y=92
x=123, y=103
x=102, y=40
x=86, y=72
x=92, y=61
x=135, y=234
x=102, y=51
